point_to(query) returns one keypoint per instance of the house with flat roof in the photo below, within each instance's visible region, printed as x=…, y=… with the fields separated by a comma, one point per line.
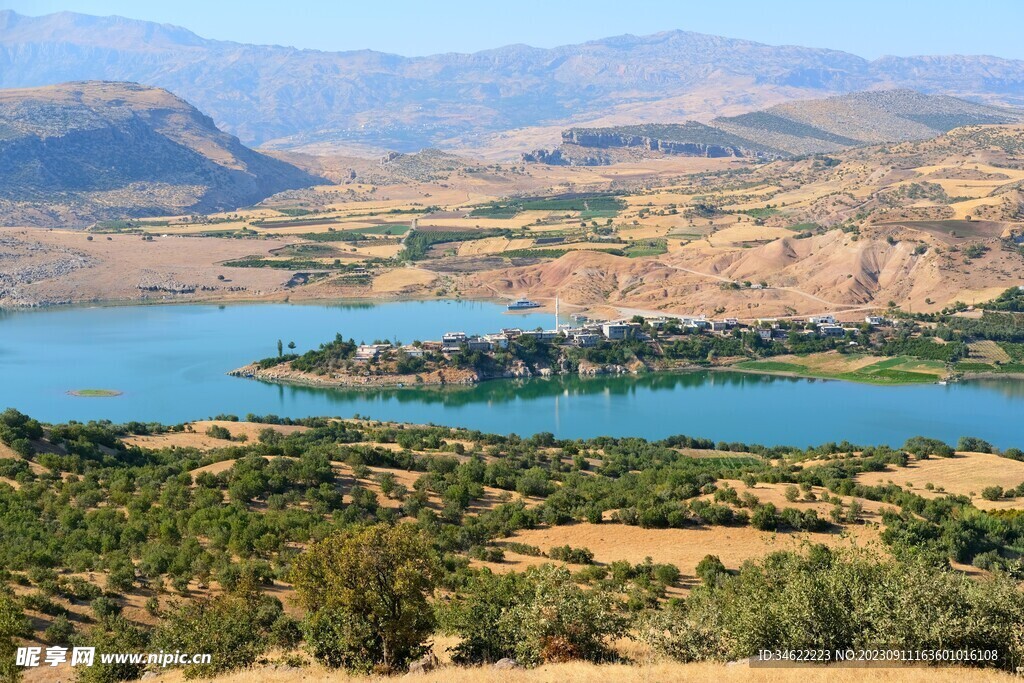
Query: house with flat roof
x=832, y=330
x=452, y=341
x=584, y=340
x=368, y=352
x=617, y=331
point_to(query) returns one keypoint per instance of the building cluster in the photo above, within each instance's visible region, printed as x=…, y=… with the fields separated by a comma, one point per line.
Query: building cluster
x=586, y=334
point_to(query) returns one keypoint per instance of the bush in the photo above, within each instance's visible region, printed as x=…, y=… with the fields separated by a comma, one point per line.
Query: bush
x=765, y=518
x=60, y=631
x=571, y=555
x=973, y=444
x=843, y=599
x=218, y=432
x=365, y=592
x=13, y=624
x=710, y=569
x=539, y=616
x=114, y=635
x=227, y=627
x=992, y=492
x=923, y=447
x=559, y=621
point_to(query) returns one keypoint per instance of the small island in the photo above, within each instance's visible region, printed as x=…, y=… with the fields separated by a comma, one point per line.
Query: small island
x=95, y=393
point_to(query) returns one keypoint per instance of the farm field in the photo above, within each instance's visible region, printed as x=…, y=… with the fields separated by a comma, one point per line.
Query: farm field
x=852, y=367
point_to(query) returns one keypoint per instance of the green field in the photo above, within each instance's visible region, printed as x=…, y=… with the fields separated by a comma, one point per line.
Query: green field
x=896, y=370
x=639, y=248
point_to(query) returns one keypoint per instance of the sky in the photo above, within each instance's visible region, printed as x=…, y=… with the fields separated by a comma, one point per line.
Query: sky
x=869, y=28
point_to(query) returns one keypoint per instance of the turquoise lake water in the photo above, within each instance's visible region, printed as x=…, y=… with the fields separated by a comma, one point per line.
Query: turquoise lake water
x=169, y=362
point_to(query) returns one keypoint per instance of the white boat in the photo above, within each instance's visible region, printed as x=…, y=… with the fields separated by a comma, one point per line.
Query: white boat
x=520, y=304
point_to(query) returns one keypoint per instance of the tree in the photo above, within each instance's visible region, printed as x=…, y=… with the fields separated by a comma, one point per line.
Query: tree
x=291, y=346
x=280, y=348
x=366, y=596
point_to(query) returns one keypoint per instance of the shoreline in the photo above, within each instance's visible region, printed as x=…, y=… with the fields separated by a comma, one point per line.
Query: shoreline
x=471, y=379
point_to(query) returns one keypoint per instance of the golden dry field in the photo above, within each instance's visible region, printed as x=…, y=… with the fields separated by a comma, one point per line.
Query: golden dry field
x=965, y=474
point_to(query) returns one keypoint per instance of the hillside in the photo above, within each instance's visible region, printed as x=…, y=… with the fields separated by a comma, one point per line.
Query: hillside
x=76, y=153
x=861, y=118
x=794, y=128
x=304, y=97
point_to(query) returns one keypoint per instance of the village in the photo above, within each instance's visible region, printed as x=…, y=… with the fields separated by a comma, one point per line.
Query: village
x=585, y=333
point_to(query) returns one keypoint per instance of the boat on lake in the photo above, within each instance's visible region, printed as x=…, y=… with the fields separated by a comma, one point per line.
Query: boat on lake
x=522, y=304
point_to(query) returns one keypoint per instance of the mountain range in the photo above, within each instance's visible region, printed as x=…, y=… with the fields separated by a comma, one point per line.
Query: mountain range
x=285, y=97
x=75, y=153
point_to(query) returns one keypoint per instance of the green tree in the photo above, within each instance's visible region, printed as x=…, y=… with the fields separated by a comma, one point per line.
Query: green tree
x=365, y=593
x=280, y=348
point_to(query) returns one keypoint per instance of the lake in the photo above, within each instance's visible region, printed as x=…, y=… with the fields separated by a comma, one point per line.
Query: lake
x=169, y=361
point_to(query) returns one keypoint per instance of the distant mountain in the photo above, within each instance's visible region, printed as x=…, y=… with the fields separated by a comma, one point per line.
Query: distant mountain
x=303, y=98
x=795, y=128
x=75, y=153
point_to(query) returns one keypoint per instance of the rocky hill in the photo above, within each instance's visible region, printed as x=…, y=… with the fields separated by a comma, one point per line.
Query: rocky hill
x=796, y=128
x=79, y=152
x=301, y=98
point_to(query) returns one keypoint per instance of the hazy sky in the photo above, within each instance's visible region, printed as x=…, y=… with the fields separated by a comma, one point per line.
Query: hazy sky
x=869, y=28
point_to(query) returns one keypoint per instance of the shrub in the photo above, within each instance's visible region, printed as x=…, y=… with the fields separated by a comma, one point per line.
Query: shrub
x=973, y=444
x=843, y=599
x=992, y=492
x=765, y=518
x=539, y=616
x=115, y=634
x=571, y=555
x=710, y=569
x=59, y=632
x=218, y=432
x=13, y=624
x=227, y=627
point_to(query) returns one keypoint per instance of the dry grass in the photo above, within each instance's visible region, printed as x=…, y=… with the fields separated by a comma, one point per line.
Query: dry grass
x=399, y=279
x=776, y=495
x=966, y=474
x=655, y=672
x=198, y=438
x=681, y=547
